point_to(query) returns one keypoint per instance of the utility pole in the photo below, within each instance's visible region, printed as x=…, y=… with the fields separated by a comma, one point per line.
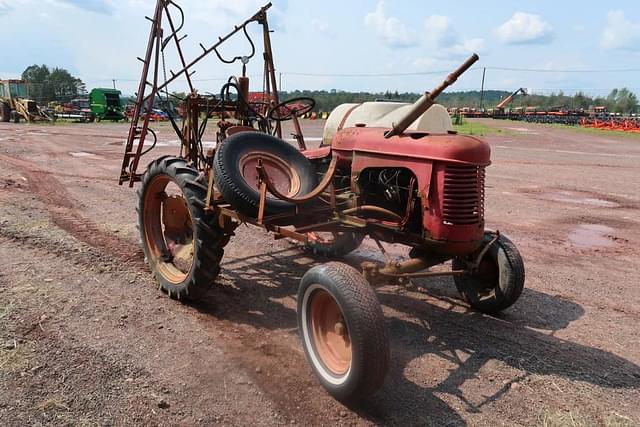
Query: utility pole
x=484, y=70
x=114, y=83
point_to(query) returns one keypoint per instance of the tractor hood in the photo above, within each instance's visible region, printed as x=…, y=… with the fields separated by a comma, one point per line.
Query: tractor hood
x=413, y=144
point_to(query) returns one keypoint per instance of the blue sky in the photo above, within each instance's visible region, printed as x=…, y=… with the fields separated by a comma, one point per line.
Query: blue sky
x=98, y=40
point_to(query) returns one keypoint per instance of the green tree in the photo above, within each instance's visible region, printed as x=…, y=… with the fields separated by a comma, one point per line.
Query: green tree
x=622, y=101
x=37, y=77
x=63, y=85
x=36, y=73
x=55, y=84
x=581, y=101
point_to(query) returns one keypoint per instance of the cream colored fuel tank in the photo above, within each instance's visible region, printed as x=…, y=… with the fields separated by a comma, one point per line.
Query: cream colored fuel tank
x=384, y=114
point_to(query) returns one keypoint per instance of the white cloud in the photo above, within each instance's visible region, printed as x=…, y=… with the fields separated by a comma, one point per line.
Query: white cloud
x=439, y=31
x=224, y=12
x=233, y=8
x=4, y=7
x=322, y=27
x=525, y=28
x=391, y=30
x=620, y=33
x=467, y=47
x=98, y=6
x=444, y=41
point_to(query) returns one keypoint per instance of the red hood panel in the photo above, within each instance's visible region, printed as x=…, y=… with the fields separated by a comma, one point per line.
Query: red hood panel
x=449, y=148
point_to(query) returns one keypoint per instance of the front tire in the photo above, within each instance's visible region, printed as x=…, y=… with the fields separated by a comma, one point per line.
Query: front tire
x=182, y=244
x=499, y=280
x=342, y=328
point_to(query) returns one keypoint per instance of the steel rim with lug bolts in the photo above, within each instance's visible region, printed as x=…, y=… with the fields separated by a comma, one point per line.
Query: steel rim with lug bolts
x=330, y=335
x=168, y=230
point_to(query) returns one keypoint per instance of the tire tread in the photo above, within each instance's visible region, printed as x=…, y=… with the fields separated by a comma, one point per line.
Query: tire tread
x=209, y=238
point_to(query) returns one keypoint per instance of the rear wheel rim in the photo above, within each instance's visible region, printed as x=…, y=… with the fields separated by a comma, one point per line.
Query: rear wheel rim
x=285, y=178
x=168, y=230
x=329, y=333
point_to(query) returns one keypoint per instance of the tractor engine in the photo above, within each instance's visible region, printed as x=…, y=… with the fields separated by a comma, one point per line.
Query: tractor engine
x=434, y=184
x=393, y=189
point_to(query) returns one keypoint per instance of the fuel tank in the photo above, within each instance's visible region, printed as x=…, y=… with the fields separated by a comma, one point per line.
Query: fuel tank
x=384, y=114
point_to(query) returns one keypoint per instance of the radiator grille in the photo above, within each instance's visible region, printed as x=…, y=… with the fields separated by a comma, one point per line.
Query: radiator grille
x=463, y=202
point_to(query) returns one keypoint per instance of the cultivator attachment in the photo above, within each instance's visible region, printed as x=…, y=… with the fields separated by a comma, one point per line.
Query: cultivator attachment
x=150, y=87
x=621, y=124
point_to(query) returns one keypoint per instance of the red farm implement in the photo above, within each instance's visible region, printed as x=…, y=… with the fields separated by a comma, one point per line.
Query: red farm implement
x=622, y=124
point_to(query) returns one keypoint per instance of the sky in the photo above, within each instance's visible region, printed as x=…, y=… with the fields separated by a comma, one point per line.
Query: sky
x=357, y=45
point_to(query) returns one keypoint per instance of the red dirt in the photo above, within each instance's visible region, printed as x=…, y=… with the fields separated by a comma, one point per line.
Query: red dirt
x=88, y=339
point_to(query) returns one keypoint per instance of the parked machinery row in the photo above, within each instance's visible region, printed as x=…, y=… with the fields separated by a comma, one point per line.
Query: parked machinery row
x=598, y=117
x=16, y=105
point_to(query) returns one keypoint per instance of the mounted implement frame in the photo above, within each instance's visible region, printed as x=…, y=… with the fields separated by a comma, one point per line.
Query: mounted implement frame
x=408, y=180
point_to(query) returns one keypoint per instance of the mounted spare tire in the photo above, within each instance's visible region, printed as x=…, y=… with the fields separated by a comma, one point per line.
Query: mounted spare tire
x=236, y=176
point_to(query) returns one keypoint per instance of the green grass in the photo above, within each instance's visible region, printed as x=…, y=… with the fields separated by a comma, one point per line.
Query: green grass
x=477, y=129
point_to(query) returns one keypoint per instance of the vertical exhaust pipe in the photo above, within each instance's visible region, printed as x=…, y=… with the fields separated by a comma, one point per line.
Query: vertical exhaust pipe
x=429, y=98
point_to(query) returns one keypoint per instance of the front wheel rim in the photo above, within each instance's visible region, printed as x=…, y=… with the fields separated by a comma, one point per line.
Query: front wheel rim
x=326, y=335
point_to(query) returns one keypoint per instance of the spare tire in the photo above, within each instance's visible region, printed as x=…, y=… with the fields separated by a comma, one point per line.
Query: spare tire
x=236, y=176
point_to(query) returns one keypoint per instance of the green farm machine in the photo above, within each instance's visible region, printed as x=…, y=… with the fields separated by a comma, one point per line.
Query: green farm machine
x=106, y=104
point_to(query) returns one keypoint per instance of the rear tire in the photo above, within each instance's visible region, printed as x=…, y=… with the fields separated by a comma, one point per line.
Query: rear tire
x=342, y=328
x=499, y=281
x=203, y=239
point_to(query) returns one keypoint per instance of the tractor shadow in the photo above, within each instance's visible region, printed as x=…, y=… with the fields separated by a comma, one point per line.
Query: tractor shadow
x=428, y=322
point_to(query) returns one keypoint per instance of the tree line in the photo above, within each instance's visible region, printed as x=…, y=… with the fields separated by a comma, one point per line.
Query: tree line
x=618, y=101
x=57, y=84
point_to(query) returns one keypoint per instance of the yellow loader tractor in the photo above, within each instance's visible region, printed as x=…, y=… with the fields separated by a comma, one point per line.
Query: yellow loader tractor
x=14, y=104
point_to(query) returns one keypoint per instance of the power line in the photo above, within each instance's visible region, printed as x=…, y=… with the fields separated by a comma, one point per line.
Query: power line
x=417, y=73
x=208, y=79
x=421, y=73
x=424, y=73
x=545, y=70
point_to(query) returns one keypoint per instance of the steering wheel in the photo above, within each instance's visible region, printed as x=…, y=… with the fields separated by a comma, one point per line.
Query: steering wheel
x=287, y=109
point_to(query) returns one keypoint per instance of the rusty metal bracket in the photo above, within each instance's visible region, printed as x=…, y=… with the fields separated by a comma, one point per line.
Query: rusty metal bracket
x=375, y=273
x=476, y=264
x=210, y=190
x=326, y=181
x=298, y=135
x=263, y=201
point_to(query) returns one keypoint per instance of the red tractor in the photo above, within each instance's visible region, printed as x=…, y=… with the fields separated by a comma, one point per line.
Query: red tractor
x=396, y=173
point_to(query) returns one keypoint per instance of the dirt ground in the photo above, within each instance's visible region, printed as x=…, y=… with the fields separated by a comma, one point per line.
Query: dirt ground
x=87, y=339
